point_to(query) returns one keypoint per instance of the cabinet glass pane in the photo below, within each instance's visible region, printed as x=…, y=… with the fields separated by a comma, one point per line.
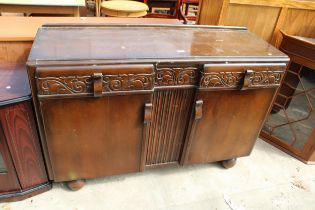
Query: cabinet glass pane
x=2, y=166
x=293, y=117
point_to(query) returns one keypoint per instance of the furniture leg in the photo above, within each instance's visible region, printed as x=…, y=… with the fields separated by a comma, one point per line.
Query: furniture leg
x=75, y=185
x=228, y=163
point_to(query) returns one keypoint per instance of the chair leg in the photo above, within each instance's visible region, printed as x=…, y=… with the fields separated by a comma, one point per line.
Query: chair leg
x=186, y=9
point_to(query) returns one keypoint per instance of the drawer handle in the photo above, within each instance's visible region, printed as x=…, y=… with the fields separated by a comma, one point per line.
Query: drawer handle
x=198, y=110
x=147, y=113
x=247, y=79
x=98, y=84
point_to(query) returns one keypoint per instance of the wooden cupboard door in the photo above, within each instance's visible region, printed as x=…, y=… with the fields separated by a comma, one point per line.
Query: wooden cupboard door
x=22, y=139
x=8, y=177
x=99, y=132
x=228, y=116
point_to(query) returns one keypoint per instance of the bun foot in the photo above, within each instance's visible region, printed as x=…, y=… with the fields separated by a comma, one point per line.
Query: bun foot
x=228, y=163
x=75, y=184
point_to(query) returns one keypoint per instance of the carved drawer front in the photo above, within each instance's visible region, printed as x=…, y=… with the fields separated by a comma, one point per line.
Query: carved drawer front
x=93, y=80
x=241, y=76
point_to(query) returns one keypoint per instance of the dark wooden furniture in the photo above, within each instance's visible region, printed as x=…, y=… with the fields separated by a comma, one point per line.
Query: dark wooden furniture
x=172, y=5
x=22, y=169
x=122, y=98
x=291, y=123
x=184, y=14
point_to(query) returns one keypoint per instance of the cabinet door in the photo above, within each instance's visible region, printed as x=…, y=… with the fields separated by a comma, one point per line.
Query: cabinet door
x=93, y=118
x=231, y=105
x=19, y=128
x=8, y=178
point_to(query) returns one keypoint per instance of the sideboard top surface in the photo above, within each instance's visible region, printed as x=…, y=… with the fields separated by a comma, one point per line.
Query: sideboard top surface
x=147, y=42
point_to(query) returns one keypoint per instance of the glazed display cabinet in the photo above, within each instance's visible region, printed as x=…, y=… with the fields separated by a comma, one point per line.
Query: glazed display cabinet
x=291, y=123
x=113, y=99
x=22, y=169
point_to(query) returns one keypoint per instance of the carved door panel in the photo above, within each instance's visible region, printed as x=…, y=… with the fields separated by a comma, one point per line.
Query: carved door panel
x=8, y=177
x=231, y=105
x=95, y=118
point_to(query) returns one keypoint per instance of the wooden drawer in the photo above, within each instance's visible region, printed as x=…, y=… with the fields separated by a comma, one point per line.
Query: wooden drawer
x=93, y=81
x=241, y=76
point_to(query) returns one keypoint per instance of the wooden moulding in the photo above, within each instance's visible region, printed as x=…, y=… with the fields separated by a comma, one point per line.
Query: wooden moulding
x=27, y=193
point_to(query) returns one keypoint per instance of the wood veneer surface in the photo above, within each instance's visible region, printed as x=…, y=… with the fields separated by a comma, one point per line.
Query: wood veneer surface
x=25, y=28
x=128, y=43
x=14, y=82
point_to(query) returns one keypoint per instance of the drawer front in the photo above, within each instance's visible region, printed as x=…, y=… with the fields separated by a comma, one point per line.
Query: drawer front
x=93, y=81
x=241, y=76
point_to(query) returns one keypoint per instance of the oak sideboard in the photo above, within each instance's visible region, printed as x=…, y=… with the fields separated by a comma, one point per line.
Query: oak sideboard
x=113, y=99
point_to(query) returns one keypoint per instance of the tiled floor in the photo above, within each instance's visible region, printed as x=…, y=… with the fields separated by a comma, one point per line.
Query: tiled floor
x=268, y=179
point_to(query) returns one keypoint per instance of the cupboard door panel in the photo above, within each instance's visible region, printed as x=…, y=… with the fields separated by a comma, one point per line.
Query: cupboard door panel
x=91, y=137
x=231, y=106
x=8, y=178
x=93, y=118
x=229, y=125
x=19, y=127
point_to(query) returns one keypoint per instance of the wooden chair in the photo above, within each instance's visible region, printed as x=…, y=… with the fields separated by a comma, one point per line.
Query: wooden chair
x=172, y=5
x=184, y=15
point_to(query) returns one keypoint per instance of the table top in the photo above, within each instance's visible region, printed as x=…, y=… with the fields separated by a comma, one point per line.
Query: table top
x=25, y=28
x=80, y=3
x=14, y=85
x=126, y=42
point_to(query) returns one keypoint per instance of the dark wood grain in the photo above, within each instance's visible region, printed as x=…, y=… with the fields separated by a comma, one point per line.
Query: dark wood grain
x=169, y=121
x=8, y=179
x=94, y=135
x=20, y=130
x=135, y=97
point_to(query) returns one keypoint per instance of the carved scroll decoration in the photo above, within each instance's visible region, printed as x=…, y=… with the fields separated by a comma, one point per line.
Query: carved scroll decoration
x=84, y=84
x=64, y=85
x=265, y=79
x=221, y=79
x=176, y=76
x=257, y=79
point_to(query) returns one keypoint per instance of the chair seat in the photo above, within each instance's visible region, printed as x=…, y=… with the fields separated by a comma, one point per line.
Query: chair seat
x=125, y=6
